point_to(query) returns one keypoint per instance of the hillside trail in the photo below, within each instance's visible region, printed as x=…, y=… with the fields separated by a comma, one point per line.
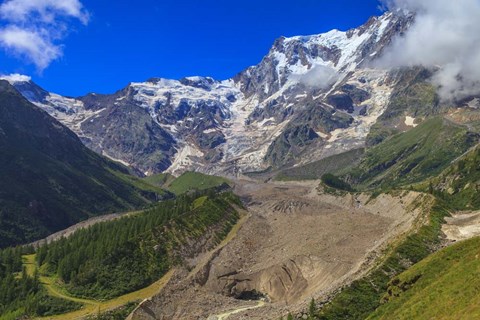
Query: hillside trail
x=92, y=307
x=226, y=315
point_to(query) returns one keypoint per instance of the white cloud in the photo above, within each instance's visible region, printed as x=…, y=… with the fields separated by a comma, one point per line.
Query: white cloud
x=445, y=36
x=45, y=10
x=15, y=77
x=33, y=28
x=318, y=76
x=30, y=44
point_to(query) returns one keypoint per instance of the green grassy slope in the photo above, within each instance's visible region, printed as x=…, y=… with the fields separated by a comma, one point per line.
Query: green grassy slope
x=160, y=180
x=459, y=184
x=446, y=285
x=49, y=180
x=195, y=181
x=317, y=169
x=413, y=156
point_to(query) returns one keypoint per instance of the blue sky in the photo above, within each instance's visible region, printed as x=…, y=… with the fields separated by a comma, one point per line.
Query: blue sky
x=126, y=41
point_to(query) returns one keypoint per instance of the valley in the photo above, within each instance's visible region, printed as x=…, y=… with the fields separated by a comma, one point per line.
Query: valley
x=295, y=242
x=298, y=243
x=321, y=183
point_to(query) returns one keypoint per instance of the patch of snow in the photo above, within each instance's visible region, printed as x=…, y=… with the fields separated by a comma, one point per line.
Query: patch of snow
x=212, y=130
x=409, y=121
x=264, y=121
x=194, y=78
x=170, y=128
x=282, y=61
x=384, y=22
x=151, y=95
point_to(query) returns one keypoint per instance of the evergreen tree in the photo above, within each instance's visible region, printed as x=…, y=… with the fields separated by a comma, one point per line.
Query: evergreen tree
x=312, y=310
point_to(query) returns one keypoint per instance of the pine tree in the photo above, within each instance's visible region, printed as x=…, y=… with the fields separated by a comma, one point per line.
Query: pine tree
x=312, y=310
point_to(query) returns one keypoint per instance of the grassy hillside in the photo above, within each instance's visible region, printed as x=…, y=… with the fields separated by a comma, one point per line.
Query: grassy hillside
x=50, y=180
x=315, y=170
x=160, y=180
x=459, y=185
x=190, y=181
x=413, y=156
x=446, y=285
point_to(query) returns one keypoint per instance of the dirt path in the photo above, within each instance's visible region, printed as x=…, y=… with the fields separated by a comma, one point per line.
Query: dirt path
x=225, y=315
x=92, y=307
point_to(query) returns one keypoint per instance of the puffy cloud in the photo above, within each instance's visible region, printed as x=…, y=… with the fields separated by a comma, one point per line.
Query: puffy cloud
x=445, y=35
x=31, y=44
x=318, y=76
x=33, y=28
x=15, y=77
x=45, y=10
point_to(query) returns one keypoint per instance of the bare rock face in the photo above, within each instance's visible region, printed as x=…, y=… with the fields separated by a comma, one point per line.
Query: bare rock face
x=136, y=140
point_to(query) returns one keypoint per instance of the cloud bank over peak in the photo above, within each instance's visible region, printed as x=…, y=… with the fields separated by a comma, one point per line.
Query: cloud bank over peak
x=444, y=36
x=15, y=77
x=32, y=29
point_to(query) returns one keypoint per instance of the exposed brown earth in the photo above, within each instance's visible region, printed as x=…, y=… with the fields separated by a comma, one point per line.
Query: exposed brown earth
x=296, y=243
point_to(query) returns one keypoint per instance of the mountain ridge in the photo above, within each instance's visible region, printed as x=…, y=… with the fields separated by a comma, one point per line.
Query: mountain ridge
x=237, y=125
x=50, y=180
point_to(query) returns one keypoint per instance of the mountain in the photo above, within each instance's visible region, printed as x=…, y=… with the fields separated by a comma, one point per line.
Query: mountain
x=50, y=180
x=396, y=162
x=309, y=98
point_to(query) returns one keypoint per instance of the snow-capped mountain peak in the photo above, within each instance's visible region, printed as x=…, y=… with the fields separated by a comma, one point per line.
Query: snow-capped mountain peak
x=307, y=91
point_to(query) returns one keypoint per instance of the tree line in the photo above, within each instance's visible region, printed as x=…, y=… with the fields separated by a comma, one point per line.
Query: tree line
x=116, y=257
